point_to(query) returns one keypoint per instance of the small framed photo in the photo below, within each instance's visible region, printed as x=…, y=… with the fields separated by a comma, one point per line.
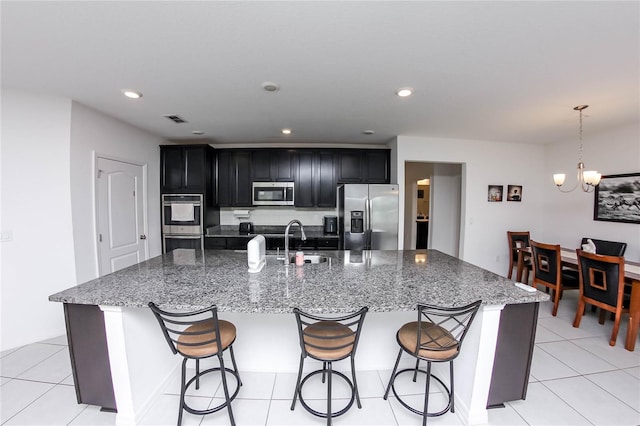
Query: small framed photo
x=494, y=193
x=514, y=193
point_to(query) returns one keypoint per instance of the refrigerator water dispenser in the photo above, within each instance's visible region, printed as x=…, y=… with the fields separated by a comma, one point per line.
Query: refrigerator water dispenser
x=357, y=221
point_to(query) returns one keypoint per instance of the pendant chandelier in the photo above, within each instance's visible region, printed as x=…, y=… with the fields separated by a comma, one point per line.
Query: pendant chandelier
x=587, y=180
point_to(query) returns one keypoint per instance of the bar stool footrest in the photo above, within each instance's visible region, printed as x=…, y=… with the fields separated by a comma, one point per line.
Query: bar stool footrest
x=321, y=414
x=410, y=408
x=218, y=407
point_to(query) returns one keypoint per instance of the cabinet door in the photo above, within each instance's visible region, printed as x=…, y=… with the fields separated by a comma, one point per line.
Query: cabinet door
x=237, y=243
x=325, y=179
x=304, y=189
x=376, y=166
x=350, y=166
x=327, y=243
x=242, y=179
x=224, y=166
x=261, y=165
x=195, y=173
x=171, y=169
x=282, y=166
x=215, y=243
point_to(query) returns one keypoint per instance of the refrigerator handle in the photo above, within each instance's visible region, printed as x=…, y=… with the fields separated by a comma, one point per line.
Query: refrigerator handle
x=367, y=224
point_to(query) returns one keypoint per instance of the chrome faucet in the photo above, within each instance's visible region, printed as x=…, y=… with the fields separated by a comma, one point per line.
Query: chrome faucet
x=286, y=239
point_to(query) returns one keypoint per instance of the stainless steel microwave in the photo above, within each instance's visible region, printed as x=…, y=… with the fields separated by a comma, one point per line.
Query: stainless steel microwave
x=272, y=193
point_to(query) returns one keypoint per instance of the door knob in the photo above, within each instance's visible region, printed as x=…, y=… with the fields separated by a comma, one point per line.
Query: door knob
x=143, y=237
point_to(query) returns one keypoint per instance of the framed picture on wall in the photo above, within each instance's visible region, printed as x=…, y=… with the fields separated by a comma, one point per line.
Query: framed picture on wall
x=494, y=193
x=514, y=193
x=617, y=198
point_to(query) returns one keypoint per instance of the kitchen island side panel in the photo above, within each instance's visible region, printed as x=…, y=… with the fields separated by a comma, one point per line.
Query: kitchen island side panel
x=89, y=355
x=514, y=352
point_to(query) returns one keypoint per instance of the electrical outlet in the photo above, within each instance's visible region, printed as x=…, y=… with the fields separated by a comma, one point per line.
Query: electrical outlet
x=6, y=236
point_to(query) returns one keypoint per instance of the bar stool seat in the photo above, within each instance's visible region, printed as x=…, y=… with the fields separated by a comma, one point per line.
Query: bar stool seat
x=436, y=337
x=328, y=340
x=198, y=335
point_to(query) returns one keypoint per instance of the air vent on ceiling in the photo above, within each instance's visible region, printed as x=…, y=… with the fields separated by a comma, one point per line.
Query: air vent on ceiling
x=176, y=118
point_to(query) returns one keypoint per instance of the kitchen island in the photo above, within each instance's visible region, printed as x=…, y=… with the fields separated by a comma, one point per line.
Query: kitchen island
x=390, y=283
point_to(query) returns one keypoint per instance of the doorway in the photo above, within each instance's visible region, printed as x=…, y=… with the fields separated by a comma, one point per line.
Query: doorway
x=444, y=205
x=121, y=214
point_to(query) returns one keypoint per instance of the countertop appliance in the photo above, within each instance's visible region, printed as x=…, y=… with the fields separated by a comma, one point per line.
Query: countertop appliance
x=330, y=224
x=245, y=228
x=368, y=216
x=272, y=193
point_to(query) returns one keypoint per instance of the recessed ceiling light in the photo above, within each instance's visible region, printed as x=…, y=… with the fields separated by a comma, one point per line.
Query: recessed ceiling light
x=286, y=131
x=197, y=132
x=404, y=92
x=270, y=87
x=369, y=132
x=132, y=94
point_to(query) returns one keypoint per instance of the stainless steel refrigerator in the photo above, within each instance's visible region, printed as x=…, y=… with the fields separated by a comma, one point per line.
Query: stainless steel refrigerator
x=368, y=217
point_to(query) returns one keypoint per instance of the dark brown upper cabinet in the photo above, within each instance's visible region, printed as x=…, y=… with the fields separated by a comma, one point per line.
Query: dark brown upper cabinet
x=315, y=179
x=186, y=169
x=234, y=178
x=272, y=165
x=363, y=166
x=316, y=172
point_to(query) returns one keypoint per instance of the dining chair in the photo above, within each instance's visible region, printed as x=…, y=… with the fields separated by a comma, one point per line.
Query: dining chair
x=601, y=285
x=570, y=279
x=518, y=239
x=547, y=269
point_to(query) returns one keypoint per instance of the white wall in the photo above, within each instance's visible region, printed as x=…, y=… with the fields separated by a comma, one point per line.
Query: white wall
x=569, y=217
x=48, y=146
x=276, y=215
x=36, y=209
x=485, y=225
x=445, y=213
x=95, y=133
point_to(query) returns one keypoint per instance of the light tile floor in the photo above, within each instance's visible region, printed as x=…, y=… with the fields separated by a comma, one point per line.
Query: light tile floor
x=576, y=379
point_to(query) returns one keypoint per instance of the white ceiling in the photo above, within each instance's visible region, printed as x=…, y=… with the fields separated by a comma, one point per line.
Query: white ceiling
x=506, y=71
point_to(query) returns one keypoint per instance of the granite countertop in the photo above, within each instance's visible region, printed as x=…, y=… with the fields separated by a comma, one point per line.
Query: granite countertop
x=268, y=231
x=382, y=280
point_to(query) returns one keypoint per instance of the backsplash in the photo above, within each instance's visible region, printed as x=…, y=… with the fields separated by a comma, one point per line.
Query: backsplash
x=275, y=215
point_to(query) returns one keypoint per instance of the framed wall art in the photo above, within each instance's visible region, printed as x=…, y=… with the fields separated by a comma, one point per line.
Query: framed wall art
x=617, y=198
x=514, y=192
x=494, y=193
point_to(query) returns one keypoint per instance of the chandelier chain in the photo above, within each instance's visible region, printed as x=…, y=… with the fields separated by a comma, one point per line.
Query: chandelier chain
x=581, y=135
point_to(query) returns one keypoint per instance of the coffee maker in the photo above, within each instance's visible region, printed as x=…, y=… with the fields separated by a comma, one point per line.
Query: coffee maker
x=330, y=225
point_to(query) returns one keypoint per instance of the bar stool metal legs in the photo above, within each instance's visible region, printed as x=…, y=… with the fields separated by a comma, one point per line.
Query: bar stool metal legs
x=436, y=337
x=328, y=340
x=199, y=335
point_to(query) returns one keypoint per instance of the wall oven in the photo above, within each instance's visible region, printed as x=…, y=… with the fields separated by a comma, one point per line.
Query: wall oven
x=182, y=222
x=272, y=193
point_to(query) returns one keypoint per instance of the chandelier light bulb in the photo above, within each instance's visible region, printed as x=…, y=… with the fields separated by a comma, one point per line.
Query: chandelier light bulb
x=559, y=178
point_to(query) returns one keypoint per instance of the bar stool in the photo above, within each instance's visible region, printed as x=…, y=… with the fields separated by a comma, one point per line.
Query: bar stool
x=328, y=340
x=436, y=337
x=198, y=335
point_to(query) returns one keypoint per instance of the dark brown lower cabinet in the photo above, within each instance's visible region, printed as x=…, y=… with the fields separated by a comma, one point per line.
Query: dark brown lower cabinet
x=89, y=355
x=514, y=351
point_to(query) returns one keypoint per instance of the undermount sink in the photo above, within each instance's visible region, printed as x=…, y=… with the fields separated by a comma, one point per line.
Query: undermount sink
x=312, y=258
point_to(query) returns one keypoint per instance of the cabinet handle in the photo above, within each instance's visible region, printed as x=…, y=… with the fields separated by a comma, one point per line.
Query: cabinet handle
x=143, y=237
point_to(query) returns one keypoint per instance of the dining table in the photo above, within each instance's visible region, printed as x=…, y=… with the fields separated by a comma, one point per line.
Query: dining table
x=569, y=258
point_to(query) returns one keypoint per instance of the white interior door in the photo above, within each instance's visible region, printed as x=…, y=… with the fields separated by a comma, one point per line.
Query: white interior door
x=121, y=221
